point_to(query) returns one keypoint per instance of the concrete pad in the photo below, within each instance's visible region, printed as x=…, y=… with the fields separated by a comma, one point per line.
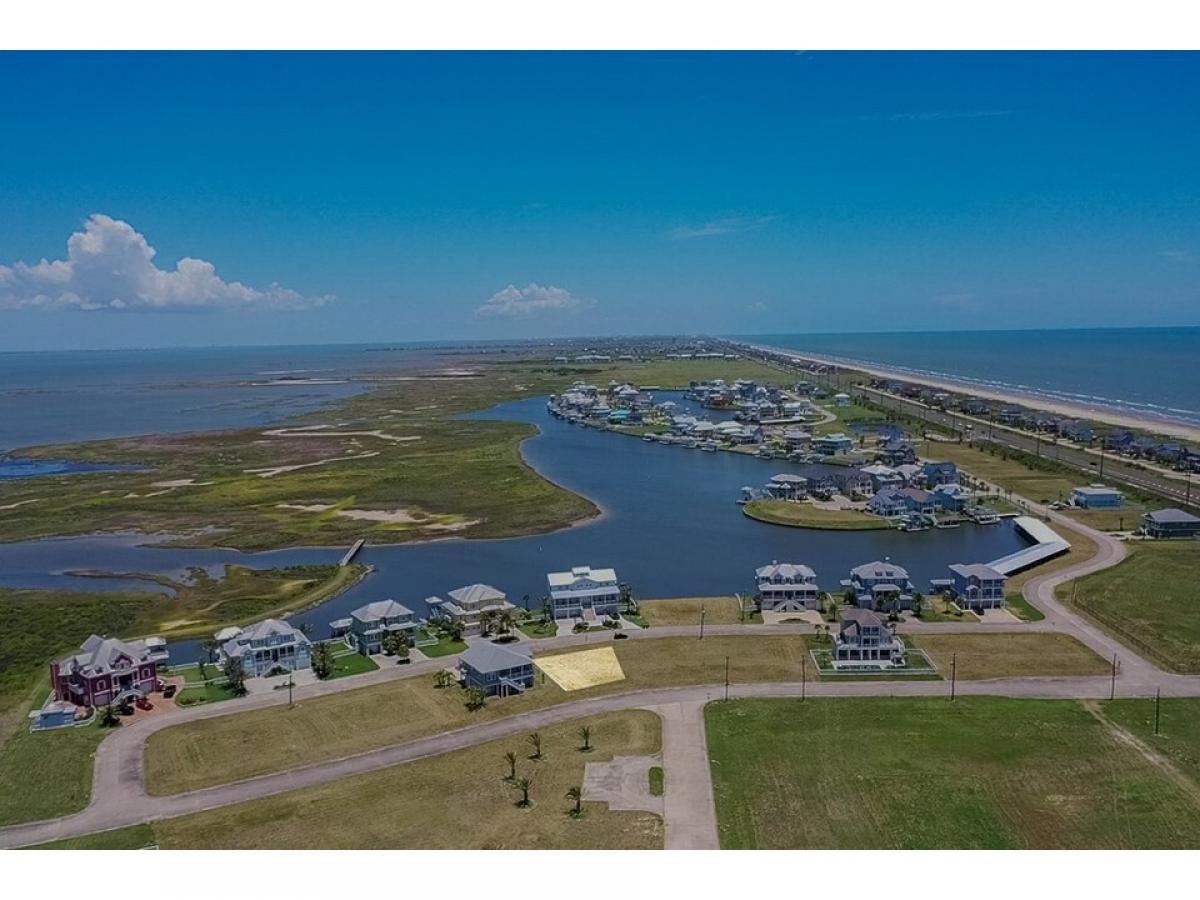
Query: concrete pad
x=811, y=616
x=623, y=783
x=582, y=669
x=998, y=617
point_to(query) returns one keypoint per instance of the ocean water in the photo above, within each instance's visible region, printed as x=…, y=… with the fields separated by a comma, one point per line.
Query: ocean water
x=55, y=397
x=1152, y=372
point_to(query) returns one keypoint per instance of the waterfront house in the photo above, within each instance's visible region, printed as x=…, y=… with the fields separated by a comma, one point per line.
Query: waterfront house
x=1119, y=440
x=882, y=476
x=853, y=483
x=1170, y=523
x=950, y=497
x=497, y=670
x=841, y=399
x=864, y=641
x=910, y=473
x=1079, y=432
x=797, y=439
x=585, y=593
x=787, y=587
x=786, y=486
x=103, y=671
x=467, y=605
x=267, y=646
x=887, y=503
x=1096, y=496
x=880, y=586
x=935, y=473
x=832, y=444
x=976, y=586
x=371, y=623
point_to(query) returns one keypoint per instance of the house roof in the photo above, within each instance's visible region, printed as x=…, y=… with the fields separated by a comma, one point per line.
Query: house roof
x=979, y=570
x=785, y=570
x=861, y=617
x=879, y=569
x=496, y=657
x=1165, y=516
x=476, y=593
x=100, y=654
x=566, y=579
x=1095, y=490
x=380, y=609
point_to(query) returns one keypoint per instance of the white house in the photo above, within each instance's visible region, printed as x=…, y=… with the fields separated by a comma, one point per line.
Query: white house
x=467, y=605
x=787, y=587
x=584, y=593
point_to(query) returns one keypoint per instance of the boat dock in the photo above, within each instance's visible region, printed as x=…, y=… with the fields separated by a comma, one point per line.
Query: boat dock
x=1046, y=543
x=352, y=552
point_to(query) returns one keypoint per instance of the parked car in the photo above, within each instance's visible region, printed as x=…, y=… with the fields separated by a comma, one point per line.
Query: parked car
x=143, y=703
x=620, y=636
x=169, y=691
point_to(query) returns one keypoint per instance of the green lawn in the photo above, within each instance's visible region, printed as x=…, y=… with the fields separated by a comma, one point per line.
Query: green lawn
x=352, y=663
x=808, y=515
x=1148, y=601
x=135, y=837
x=204, y=692
x=445, y=646
x=47, y=774
x=903, y=773
x=656, y=781
x=1022, y=608
x=1179, y=728
x=536, y=628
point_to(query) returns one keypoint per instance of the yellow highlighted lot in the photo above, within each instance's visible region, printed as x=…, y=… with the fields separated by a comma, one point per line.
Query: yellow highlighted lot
x=582, y=668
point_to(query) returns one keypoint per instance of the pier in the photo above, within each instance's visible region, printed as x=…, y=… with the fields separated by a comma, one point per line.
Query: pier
x=1047, y=543
x=352, y=552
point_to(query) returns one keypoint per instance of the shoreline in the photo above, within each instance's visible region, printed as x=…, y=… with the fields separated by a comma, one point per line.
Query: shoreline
x=1142, y=421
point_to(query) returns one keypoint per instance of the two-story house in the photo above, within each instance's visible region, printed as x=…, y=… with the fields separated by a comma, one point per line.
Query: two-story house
x=370, y=624
x=267, y=646
x=103, y=671
x=585, y=593
x=936, y=473
x=497, y=670
x=976, y=586
x=864, y=641
x=467, y=605
x=787, y=587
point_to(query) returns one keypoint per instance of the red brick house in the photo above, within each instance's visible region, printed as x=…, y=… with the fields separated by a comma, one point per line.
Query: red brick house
x=104, y=670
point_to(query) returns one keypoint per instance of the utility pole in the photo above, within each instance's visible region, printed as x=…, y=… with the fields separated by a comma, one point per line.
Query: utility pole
x=727, y=678
x=953, y=675
x=803, y=677
x=291, y=684
x=1101, y=459
x=701, y=623
x=1112, y=693
x=1157, y=704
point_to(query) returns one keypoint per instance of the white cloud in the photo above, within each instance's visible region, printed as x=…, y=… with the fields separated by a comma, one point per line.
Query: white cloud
x=109, y=266
x=1178, y=256
x=514, y=302
x=730, y=225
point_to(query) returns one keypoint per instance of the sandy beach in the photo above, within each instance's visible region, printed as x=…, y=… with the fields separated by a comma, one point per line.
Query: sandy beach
x=1155, y=424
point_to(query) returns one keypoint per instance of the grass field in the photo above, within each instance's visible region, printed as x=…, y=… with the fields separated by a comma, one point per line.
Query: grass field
x=214, y=751
x=1179, y=728
x=353, y=663
x=1022, y=608
x=47, y=774
x=892, y=773
x=135, y=837
x=686, y=611
x=807, y=515
x=980, y=656
x=657, y=782
x=1148, y=600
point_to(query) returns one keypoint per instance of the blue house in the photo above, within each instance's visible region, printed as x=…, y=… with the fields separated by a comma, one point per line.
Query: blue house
x=976, y=586
x=1170, y=523
x=497, y=670
x=831, y=444
x=950, y=497
x=936, y=473
x=268, y=646
x=897, y=451
x=880, y=586
x=1095, y=496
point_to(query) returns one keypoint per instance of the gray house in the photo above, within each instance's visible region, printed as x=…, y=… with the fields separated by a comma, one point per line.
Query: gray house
x=976, y=586
x=1169, y=523
x=467, y=605
x=864, y=641
x=787, y=587
x=268, y=645
x=497, y=670
x=371, y=623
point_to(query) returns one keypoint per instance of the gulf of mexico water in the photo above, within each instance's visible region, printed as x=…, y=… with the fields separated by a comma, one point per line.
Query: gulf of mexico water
x=1153, y=372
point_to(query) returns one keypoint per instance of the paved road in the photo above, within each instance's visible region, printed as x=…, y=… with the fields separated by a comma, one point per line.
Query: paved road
x=119, y=797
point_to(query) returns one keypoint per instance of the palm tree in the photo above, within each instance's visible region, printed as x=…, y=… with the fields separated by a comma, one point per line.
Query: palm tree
x=535, y=741
x=441, y=678
x=522, y=784
x=209, y=648
x=511, y=759
x=108, y=717
x=506, y=622
x=585, y=735
x=818, y=629
x=485, y=623
x=575, y=795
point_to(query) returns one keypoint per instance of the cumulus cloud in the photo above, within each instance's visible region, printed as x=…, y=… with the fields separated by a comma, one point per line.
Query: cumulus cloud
x=110, y=266
x=514, y=302
x=730, y=225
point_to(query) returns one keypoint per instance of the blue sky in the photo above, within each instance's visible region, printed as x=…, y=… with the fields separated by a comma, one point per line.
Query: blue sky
x=361, y=197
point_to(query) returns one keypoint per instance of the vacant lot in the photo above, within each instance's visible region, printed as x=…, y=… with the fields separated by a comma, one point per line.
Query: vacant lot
x=227, y=748
x=1010, y=655
x=1178, y=738
x=1148, y=601
x=47, y=774
x=686, y=611
x=808, y=515
x=459, y=800
x=890, y=773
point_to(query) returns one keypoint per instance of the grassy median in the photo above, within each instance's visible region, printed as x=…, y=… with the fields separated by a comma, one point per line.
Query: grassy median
x=809, y=515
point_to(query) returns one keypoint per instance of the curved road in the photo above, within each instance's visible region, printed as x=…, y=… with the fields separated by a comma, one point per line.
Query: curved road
x=118, y=791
